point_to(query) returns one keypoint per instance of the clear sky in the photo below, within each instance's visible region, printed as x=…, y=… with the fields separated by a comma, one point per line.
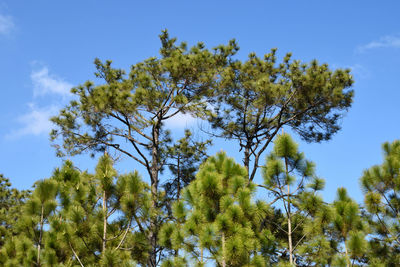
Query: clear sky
x=46, y=47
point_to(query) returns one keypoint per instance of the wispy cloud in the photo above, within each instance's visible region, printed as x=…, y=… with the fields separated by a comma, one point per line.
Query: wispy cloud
x=181, y=121
x=384, y=42
x=44, y=83
x=6, y=24
x=36, y=122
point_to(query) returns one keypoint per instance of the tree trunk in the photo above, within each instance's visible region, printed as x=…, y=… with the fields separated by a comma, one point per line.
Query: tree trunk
x=347, y=254
x=290, y=230
x=178, y=189
x=40, y=235
x=154, y=192
x=223, y=250
x=289, y=217
x=104, y=221
x=201, y=256
x=246, y=159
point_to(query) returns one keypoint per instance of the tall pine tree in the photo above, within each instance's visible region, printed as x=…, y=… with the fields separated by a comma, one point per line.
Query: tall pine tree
x=128, y=113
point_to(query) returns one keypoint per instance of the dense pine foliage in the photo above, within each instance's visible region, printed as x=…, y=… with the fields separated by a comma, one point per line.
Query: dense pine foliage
x=76, y=218
x=191, y=209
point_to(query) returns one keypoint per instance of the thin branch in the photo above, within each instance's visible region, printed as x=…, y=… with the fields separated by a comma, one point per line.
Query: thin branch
x=146, y=161
x=301, y=222
x=138, y=223
x=298, y=242
x=124, y=236
x=76, y=255
x=115, y=146
x=256, y=158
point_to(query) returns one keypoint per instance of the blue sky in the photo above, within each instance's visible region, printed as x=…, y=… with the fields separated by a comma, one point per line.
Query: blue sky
x=46, y=47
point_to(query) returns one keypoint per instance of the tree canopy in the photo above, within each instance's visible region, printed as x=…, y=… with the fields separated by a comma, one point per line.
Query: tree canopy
x=188, y=208
x=247, y=101
x=259, y=96
x=77, y=218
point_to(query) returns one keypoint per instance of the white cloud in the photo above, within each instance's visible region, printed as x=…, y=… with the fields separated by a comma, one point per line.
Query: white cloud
x=180, y=121
x=44, y=83
x=6, y=24
x=383, y=42
x=35, y=122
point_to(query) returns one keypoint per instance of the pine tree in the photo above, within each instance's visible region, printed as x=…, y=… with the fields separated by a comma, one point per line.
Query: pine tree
x=298, y=195
x=185, y=157
x=217, y=219
x=12, y=245
x=260, y=96
x=76, y=218
x=11, y=202
x=350, y=228
x=128, y=114
x=27, y=248
x=381, y=185
x=99, y=214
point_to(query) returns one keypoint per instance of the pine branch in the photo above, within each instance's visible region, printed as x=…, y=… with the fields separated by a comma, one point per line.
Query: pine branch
x=124, y=236
x=76, y=255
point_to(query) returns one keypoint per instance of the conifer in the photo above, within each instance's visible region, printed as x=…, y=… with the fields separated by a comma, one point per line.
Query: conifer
x=127, y=113
x=185, y=157
x=27, y=247
x=99, y=215
x=381, y=187
x=350, y=228
x=219, y=221
x=11, y=202
x=291, y=180
x=259, y=96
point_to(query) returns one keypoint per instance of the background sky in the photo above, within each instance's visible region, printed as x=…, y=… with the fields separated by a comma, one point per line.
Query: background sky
x=46, y=47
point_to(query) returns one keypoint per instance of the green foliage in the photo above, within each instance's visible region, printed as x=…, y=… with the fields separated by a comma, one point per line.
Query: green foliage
x=259, y=96
x=185, y=157
x=287, y=176
x=75, y=218
x=349, y=226
x=11, y=202
x=381, y=185
x=221, y=221
x=127, y=113
x=101, y=197
x=206, y=211
x=155, y=90
x=26, y=239
x=248, y=101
